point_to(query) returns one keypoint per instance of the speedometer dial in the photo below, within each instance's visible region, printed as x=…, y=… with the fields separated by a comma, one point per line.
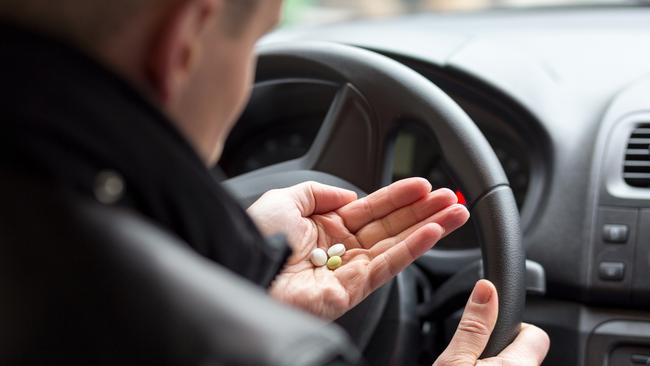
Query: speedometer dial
x=416, y=154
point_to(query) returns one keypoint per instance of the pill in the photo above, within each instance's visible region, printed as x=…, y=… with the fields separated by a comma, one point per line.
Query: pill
x=318, y=257
x=334, y=262
x=336, y=250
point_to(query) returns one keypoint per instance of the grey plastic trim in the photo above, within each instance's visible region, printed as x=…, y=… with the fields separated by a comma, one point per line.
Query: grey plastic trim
x=606, y=184
x=535, y=278
x=625, y=329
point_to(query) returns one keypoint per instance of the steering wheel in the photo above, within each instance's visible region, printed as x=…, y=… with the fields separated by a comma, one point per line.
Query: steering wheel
x=374, y=96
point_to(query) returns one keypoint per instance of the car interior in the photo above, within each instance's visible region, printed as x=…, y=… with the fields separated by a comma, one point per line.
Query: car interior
x=539, y=119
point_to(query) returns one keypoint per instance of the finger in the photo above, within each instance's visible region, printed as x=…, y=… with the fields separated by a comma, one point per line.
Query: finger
x=406, y=217
x=474, y=329
x=389, y=263
x=316, y=198
x=529, y=348
x=450, y=219
x=384, y=201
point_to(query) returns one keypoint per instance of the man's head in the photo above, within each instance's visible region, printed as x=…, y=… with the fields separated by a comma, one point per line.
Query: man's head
x=195, y=57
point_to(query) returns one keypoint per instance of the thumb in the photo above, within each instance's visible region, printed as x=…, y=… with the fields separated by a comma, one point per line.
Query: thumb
x=474, y=328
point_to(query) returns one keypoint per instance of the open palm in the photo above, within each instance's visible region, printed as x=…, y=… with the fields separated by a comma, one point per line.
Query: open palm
x=383, y=233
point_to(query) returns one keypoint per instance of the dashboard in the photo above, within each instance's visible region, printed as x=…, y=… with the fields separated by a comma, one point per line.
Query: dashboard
x=561, y=94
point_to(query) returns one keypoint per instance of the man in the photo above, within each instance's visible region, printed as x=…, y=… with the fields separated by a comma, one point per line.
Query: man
x=128, y=102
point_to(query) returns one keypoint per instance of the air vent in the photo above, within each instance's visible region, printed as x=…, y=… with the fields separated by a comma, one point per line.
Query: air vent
x=636, y=169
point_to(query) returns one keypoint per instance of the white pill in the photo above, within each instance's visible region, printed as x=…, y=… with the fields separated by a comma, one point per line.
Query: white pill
x=318, y=257
x=336, y=250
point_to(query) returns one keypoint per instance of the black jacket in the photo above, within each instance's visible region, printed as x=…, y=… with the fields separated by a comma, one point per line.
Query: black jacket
x=69, y=122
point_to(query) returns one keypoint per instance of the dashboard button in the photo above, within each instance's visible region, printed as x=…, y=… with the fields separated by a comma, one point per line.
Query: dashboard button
x=611, y=271
x=615, y=233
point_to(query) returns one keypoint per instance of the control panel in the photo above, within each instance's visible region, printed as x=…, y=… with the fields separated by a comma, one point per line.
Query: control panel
x=619, y=271
x=621, y=255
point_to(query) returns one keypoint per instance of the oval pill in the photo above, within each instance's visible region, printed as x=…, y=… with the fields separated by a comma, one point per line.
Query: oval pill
x=336, y=250
x=318, y=257
x=334, y=262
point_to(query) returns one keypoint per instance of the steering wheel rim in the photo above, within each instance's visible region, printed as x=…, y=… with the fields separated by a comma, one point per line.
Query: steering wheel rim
x=375, y=95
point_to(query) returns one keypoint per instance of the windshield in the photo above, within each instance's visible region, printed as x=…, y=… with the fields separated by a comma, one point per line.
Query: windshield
x=326, y=11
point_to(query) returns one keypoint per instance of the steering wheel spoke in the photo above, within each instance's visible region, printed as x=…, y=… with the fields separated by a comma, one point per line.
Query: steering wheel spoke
x=348, y=142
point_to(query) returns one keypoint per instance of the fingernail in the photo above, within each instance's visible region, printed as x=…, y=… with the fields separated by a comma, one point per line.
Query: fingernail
x=481, y=294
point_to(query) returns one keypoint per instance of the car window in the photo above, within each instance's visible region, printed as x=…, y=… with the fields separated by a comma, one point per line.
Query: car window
x=328, y=11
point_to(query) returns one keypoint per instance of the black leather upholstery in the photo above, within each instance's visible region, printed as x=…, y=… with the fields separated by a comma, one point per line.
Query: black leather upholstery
x=83, y=283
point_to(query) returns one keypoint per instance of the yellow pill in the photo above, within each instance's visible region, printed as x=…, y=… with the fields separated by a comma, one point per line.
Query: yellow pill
x=334, y=262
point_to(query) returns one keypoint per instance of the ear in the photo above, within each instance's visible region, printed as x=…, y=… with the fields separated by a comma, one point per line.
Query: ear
x=177, y=44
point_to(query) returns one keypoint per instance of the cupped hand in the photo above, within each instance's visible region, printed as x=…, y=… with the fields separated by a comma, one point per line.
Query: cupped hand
x=383, y=233
x=476, y=326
